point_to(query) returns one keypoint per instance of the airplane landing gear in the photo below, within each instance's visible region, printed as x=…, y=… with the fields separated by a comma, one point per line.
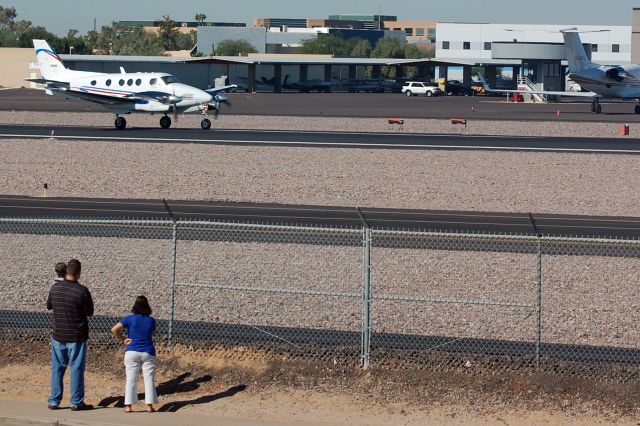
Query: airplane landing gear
x=120, y=123
x=165, y=122
x=596, y=107
x=205, y=124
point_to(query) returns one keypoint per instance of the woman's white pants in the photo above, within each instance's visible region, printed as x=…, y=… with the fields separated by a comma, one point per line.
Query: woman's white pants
x=133, y=362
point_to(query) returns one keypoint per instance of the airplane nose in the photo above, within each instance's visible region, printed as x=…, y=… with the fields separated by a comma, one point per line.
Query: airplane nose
x=206, y=97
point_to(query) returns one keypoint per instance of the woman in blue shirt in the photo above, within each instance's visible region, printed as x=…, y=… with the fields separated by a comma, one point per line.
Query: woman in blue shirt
x=139, y=353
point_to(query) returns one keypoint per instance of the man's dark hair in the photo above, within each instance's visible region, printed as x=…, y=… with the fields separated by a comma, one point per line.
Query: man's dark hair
x=74, y=267
x=141, y=306
x=61, y=269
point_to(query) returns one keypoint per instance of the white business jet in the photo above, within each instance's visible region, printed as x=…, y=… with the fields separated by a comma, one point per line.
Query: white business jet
x=603, y=81
x=124, y=93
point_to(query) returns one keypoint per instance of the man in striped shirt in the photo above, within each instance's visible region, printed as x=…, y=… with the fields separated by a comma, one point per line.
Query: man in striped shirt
x=72, y=304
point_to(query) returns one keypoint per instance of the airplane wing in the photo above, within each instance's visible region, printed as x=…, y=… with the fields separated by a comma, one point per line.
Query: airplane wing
x=486, y=87
x=213, y=91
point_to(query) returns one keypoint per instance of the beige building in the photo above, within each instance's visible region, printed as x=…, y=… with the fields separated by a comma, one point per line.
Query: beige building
x=418, y=32
x=635, y=37
x=15, y=66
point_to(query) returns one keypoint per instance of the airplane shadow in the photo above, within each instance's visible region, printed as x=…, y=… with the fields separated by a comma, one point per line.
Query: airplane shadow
x=173, y=386
x=174, y=406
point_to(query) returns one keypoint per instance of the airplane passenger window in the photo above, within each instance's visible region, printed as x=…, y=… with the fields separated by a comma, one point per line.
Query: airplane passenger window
x=130, y=82
x=153, y=81
x=168, y=79
x=121, y=82
x=108, y=82
x=93, y=82
x=138, y=82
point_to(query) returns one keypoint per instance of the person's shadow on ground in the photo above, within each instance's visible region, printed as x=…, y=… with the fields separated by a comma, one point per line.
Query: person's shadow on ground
x=173, y=386
x=176, y=405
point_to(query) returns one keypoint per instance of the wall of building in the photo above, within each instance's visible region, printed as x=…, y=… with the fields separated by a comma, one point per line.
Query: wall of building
x=635, y=37
x=14, y=67
x=469, y=41
x=420, y=32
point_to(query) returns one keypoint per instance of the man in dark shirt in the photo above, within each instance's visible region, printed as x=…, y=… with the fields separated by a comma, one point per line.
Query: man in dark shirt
x=72, y=304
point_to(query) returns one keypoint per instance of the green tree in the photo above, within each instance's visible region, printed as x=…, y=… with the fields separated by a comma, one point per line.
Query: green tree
x=7, y=18
x=120, y=39
x=360, y=48
x=200, y=18
x=326, y=44
x=388, y=47
x=186, y=41
x=234, y=48
x=168, y=33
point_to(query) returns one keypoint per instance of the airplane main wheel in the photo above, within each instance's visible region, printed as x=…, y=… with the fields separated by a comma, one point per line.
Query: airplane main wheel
x=637, y=109
x=120, y=123
x=165, y=122
x=205, y=124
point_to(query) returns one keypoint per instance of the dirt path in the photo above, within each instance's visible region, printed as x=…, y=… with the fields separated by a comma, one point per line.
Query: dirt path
x=242, y=384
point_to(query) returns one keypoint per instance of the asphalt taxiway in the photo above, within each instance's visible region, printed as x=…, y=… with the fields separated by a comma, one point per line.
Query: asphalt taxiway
x=333, y=216
x=394, y=140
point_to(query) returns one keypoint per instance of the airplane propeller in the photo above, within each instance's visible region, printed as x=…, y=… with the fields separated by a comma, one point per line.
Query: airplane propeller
x=217, y=100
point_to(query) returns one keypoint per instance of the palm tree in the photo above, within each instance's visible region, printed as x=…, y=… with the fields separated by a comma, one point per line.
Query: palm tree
x=200, y=17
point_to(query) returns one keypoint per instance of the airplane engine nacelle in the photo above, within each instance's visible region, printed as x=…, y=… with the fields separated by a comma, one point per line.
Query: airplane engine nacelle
x=615, y=74
x=150, y=106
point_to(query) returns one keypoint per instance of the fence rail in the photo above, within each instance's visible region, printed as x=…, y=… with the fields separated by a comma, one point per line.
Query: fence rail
x=454, y=300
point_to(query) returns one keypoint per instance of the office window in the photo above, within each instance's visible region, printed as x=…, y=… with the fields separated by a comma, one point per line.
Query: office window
x=420, y=32
x=466, y=45
x=594, y=48
x=408, y=31
x=551, y=70
x=615, y=48
x=445, y=45
x=487, y=45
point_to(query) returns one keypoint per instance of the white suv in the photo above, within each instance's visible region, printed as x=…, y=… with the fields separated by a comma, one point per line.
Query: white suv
x=411, y=88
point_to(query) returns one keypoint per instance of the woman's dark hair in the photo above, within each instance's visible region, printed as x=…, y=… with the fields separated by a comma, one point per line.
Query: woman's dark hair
x=141, y=306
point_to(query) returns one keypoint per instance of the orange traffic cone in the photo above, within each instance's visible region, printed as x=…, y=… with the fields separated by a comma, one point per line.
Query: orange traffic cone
x=558, y=113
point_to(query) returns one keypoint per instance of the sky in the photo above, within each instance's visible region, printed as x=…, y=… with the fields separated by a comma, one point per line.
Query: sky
x=60, y=15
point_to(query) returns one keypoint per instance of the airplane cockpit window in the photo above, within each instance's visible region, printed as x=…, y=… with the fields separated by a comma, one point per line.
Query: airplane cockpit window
x=108, y=82
x=168, y=79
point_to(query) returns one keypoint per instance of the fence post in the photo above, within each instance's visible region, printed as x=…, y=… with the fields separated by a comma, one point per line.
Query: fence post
x=172, y=292
x=538, y=303
x=366, y=294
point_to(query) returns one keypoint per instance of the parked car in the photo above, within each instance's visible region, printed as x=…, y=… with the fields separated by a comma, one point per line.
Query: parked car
x=454, y=87
x=369, y=86
x=411, y=88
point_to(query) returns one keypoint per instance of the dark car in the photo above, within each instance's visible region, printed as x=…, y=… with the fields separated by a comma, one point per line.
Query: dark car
x=456, y=88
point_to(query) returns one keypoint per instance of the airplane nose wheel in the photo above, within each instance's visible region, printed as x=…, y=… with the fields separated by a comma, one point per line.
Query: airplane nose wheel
x=165, y=122
x=205, y=124
x=120, y=123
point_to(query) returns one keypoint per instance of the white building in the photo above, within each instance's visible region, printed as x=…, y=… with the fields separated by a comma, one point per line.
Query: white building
x=610, y=45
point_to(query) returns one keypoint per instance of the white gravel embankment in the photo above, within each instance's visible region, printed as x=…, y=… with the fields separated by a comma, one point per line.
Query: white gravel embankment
x=332, y=124
x=443, y=180
x=592, y=301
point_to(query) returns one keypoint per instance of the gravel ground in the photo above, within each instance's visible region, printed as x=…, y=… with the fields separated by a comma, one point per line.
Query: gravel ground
x=443, y=180
x=226, y=121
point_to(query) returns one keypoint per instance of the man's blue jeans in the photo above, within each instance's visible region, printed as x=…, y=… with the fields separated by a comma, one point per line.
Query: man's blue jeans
x=73, y=355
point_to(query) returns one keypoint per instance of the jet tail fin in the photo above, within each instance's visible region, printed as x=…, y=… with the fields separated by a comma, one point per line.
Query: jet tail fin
x=51, y=66
x=576, y=56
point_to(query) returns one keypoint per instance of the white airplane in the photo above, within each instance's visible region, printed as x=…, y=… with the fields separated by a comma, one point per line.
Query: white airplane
x=603, y=81
x=124, y=93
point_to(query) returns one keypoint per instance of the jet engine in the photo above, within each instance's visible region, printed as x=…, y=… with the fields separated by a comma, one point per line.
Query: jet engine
x=615, y=74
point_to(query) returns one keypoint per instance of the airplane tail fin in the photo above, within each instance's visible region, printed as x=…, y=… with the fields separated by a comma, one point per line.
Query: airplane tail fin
x=576, y=56
x=51, y=66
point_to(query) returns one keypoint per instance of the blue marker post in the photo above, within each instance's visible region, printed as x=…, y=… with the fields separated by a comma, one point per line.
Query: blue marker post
x=46, y=187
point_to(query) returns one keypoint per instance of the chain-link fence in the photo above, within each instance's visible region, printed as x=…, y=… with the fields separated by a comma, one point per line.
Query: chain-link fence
x=435, y=300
